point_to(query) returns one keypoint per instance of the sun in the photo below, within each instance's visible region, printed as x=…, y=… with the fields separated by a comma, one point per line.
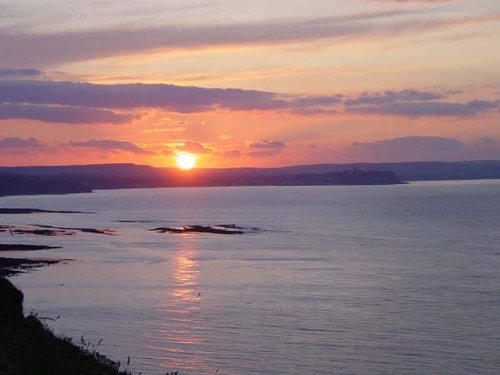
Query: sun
x=186, y=161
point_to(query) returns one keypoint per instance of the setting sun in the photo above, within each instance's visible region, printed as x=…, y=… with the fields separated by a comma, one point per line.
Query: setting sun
x=186, y=161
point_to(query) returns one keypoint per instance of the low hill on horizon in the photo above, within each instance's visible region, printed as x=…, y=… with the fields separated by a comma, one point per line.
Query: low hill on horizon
x=86, y=178
x=406, y=171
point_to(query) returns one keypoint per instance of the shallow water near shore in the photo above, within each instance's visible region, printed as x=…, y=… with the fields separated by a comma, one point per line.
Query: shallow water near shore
x=348, y=280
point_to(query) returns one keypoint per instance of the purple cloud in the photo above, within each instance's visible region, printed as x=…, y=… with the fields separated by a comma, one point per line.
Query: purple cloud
x=19, y=143
x=77, y=102
x=182, y=99
x=266, y=148
x=127, y=96
x=408, y=95
x=423, y=148
x=194, y=147
x=415, y=1
x=111, y=146
x=58, y=114
x=414, y=103
x=41, y=49
x=318, y=100
x=430, y=109
x=268, y=145
x=19, y=72
x=232, y=154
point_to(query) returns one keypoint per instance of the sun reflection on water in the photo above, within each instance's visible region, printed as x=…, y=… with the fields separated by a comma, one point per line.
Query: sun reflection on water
x=182, y=308
x=186, y=271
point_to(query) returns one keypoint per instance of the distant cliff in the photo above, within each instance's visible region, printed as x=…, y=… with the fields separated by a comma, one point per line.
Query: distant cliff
x=407, y=171
x=347, y=177
x=30, y=185
x=80, y=183
x=85, y=178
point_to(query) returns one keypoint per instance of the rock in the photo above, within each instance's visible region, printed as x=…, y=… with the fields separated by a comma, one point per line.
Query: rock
x=22, y=247
x=27, y=211
x=217, y=229
x=11, y=303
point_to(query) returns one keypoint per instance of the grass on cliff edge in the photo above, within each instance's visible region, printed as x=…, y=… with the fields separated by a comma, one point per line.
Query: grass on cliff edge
x=27, y=347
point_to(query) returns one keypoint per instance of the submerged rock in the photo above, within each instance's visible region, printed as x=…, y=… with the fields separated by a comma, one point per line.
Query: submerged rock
x=17, y=211
x=22, y=247
x=14, y=266
x=49, y=230
x=106, y=231
x=38, y=232
x=217, y=229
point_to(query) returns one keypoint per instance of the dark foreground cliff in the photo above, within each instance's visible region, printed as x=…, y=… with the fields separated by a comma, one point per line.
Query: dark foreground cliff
x=27, y=347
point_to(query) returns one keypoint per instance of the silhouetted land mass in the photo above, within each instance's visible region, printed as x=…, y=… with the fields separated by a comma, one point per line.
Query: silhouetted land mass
x=14, y=230
x=14, y=266
x=27, y=347
x=22, y=247
x=85, y=178
x=11, y=184
x=52, y=231
x=216, y=229
x=27, y=211
x=121, y=177
x=106, y=231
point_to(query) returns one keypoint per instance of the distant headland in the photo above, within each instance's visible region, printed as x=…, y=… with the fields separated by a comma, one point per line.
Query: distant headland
x=86, y=178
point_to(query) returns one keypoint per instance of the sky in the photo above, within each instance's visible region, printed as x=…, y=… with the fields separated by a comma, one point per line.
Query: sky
x=250, y=82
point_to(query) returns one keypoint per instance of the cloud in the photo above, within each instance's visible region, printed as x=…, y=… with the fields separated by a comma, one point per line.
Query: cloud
x=415, y=1
x=266, y=148
x=111, y=146
x=430, y=109
x=232, y=154
x=58, y=114
x=423, y=148
x=225, y=137
x=268, y=145
x=408, y=95
x=19, y=72
x=314, y=105
x=42, y=49
x=194, y=147
x=181, y=99
x=414, y=103
x=315, y=100
x=78, y=102
x=167, y=152
x=184, y=99
x=19, y=143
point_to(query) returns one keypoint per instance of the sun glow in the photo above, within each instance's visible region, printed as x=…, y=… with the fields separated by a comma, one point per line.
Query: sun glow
x=186, y=161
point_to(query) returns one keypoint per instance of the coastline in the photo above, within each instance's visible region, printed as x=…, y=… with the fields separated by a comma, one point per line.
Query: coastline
x=27, y=346
x=159, y=210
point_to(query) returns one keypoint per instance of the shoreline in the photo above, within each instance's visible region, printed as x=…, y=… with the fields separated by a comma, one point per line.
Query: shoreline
x=15, y=266
x=27, y=346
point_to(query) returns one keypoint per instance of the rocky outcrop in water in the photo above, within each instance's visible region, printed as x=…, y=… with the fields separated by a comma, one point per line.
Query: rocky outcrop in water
x=14, y=266
x=22, y=247
x=27, y=211
x=217, y=229
x=52, y=231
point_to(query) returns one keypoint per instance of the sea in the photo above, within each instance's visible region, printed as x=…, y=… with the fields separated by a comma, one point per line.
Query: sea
x=401, y=279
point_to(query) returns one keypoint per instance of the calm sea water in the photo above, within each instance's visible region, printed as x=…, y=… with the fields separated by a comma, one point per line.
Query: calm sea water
x=342, y=280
